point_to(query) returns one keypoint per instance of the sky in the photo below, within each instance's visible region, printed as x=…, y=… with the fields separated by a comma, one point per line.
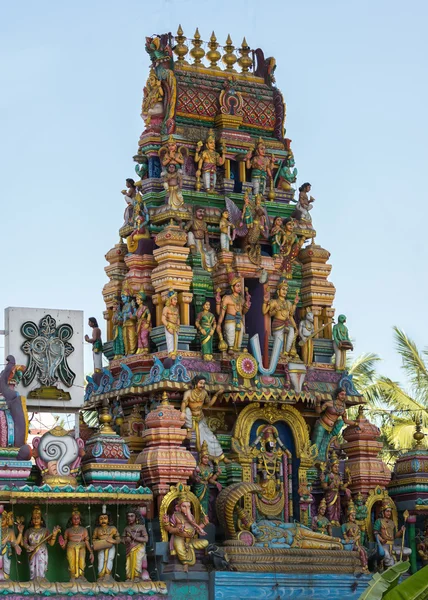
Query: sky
x=354, y=78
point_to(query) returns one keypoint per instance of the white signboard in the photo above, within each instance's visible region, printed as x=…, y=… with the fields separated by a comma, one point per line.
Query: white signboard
x=49, y=343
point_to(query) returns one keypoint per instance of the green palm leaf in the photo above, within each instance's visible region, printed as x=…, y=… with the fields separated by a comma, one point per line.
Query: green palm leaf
x=413, y=364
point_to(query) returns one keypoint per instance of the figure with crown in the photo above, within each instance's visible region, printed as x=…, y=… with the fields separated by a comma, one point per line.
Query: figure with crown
x=206, y=323
x=172, y=160
x=385, y=532
x=261, y=167
x=204, y=475
x=143, y=324
x=135, y=538
x=352, y=535
x=35, y=541
x=332, y=484
x=191, y=408
x=282, y=312
x=198, y=238
x=320, y=523
x=269, y=450
x=207, y=162
x=184, y=529
x=105, y=539
x=9, y=541
x=231, y=309
x=171, y=322
x=76, y=542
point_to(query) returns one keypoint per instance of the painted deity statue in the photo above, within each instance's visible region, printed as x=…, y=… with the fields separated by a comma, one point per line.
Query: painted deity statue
x=76, y=542
x=231, y=309
x=97, y=344
x=198, y=238
x=287, y=172
x=276, y=236
x=361, y=516
x=306, y=335
x=171, y=322
x=206, y=323
x=204, y=475
x=135, y=538
x=261, y=167
x=129, y=315
x=277, y=534
x=172, y=161
x=140, y=231
x=290, y=248
x=143, y=324
x=332, y=417
x=58, y=456
x=282, y=312
x=118, y=343
x=269, y=470
x=320, y=523
x=423, y=546
x=352, y=535
x=191, y=408
x=341, y=343
x=105, y=539
x=207, y=162
x=9, y=541
x=257, y=228
x=304, y=204
x=184, y=530
x=133, y=200
x=386, y=532
x=226, y=227
x=152, y=99
x=332, y=484
x=35, y=541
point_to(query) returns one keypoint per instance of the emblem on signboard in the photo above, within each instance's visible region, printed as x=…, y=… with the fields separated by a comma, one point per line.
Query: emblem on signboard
x=48, y=349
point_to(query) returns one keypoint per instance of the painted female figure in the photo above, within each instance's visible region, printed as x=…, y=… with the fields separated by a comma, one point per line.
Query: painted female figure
x=118, y=344
x=290, y=248
x=332, y=484
x=320, y=523
x=206, y=323
x=276, y=236
x=34, y=542
x=203, y=475
x=143, y=324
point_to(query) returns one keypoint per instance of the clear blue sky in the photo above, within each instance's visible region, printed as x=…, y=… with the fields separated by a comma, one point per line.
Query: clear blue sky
x=354, y=77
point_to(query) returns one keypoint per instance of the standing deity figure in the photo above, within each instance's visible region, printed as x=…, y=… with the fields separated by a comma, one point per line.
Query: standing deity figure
x=306, y=335
x=198, y=238
x=135, y=538
x=341, y=343
x=386, y=532
x=352, y=535
x=207, y=162
x=97, y=344
x=35, y=542
x=9, y=541
x=117, y=320
x=332, y=484
x=231, y=309
x=129, y=315
x=206, y=323
x=172, y=161
x=204, y=475
x=261, y=167
x=133, y=200
x=140, y=231
x=361, y=516
x=290, y=248
x=332, y=417
x=105, y=539
x=320, y=523
x=276, y=236
x=304, y=204
x=270, y=473
x=76, y=542
x=257, y=228
x=184, y=529
x=153, y=98
x=191, y=408
x=143, y=324
x=226, y=227
x=171, y=322
x=283, y=323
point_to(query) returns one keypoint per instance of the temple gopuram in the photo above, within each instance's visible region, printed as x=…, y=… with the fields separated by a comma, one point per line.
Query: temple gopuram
x=226, y=462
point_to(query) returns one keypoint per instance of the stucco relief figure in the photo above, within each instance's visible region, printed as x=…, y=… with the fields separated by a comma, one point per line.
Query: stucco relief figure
x=15, y=406
x=105, y=539
x=135, y=538
x=282, y=312
x=97, y=344
x=386, y=532
x=261, y=167
x=58, y=456
x=341, y=342
x=207, y=162
x=76, y=543
x=171, y=322
x=36, y=540
x=231, y=309
x=198, y=238
x=8, y=541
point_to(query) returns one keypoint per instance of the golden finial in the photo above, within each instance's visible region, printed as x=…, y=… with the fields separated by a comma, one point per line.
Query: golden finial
x=213, y=55
x=180, y=49
x=197, y=52
x=105, y=419
x=245, y=62
x=419, y=435
x=164, y=400
x=229, y=58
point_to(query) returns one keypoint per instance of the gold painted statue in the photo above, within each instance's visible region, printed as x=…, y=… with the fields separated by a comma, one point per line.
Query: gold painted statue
x=320, y=523
x=9, y=541
x=105, y=539
x=171, y=322
x=135, y=539
x=207, y=162
x=76, y=542
x=283, y=323
x=185, y=530
x=261, y=166
x=153, y=98
x=231, y=309
x=352, y=534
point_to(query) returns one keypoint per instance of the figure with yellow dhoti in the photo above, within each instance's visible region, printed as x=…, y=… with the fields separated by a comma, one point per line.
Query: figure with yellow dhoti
x=207, y=162
x=306, y=335
x=9, y=541
x=185, y=530
x=231, y=308
x=198, y=239
x=191, y=408
x=282, y=311
x=104, y=540
x=129, y=316
x=76, y=542
x=135, y=539
x=171, y=322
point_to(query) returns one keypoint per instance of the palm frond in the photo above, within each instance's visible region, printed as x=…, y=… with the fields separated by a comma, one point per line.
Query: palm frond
x=400, y=434
x=363, y=369
x=391, y=393
x=413, y=365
